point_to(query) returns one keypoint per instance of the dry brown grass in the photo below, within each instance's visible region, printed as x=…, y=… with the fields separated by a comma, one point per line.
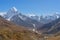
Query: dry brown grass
x=54, y=38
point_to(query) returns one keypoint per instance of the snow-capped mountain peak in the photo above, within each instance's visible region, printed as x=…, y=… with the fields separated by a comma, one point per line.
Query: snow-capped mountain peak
x=14, y=9
x=11, y=12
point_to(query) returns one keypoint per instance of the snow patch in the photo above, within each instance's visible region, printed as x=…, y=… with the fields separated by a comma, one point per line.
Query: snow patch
x=22, y=17
x=14, y=8
x=29, y=15
x=57, y=16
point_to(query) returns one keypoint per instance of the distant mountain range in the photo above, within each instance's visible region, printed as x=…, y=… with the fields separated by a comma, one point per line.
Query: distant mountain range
x=16, y=26
x=40, y=23
x=13, y=11
x=15, y=16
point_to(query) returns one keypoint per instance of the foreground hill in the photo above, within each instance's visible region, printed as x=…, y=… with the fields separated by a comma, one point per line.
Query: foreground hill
x=10, y=31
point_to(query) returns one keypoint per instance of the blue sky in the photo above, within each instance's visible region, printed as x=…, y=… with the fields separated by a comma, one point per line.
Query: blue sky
x=37, y=7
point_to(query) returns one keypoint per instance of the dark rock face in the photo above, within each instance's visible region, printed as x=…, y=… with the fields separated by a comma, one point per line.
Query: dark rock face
x=52, y=27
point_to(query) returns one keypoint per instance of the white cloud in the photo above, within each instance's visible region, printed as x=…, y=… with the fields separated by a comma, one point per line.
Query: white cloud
x=2, y=13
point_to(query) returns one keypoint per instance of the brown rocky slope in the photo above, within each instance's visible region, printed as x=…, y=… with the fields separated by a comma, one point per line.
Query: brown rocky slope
x=10, y=31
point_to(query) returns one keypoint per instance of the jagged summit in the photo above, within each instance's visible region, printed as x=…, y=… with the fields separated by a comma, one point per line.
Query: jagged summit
x=14, y=9
x=11, y=12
